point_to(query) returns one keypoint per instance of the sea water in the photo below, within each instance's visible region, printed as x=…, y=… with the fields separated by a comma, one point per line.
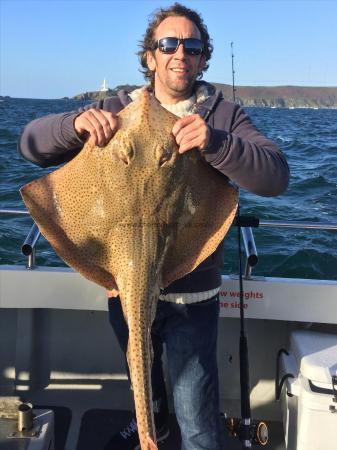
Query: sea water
x=307, y=137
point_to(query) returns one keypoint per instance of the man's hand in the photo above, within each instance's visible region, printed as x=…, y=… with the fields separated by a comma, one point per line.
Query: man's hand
x=191, y=132
x=96, y=124
x=112, y=293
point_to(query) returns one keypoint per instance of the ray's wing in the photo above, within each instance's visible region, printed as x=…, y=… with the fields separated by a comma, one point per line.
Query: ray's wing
x=70, y=208
x=211, y=204
x=77, y=206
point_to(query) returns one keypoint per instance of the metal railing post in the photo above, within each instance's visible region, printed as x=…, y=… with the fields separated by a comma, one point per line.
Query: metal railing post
x=28, y=247
x=250, y=249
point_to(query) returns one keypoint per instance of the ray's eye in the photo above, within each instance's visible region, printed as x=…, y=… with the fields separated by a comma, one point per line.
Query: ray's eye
x=164, y=158
x=164, y=154
x=126, y=154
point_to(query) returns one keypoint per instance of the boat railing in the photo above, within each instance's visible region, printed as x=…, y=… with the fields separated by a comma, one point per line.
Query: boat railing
x=28, y=248
x=248, y=237
x=247, y=223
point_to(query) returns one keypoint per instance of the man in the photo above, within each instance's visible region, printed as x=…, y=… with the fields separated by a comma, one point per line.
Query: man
x=174, y=53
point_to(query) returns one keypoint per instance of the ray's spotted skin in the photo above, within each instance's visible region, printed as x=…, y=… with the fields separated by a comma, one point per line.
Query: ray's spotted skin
x=135, y=216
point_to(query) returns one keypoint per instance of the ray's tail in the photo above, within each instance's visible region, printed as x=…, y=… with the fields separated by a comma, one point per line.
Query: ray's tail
x=140, y=362
x=139, y=291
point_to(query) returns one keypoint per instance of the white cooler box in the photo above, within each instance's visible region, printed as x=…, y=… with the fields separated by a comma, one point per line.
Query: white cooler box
x=309, y=400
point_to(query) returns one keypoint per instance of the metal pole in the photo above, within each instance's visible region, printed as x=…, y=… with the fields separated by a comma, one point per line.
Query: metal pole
x=31, y=260
x=14, y=211
x=28, y=247
x=304, y=225
x=255, y=222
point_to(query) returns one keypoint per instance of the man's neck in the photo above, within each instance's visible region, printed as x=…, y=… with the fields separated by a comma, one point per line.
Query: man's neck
x=171, y=98
x=182, y=108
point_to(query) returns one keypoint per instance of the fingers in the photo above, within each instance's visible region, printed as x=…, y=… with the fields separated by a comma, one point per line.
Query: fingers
x=191, y=132
x=99, y=125
x=184, y=121
x=112, y=293
x=102, y=127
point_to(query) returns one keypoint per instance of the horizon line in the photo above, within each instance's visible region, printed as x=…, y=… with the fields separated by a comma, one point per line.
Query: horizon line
x=2, y=96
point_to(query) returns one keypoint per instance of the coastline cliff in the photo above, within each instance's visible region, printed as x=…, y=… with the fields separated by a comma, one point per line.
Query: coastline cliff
x=282, y=96
x=268, y=96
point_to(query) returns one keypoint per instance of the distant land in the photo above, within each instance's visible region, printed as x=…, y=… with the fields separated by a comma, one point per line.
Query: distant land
x=269, y=96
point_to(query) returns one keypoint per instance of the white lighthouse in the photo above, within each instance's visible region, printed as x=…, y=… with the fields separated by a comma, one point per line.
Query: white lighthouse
x=104, y=87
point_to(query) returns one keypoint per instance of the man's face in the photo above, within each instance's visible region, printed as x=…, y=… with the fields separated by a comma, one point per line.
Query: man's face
x=175, y=73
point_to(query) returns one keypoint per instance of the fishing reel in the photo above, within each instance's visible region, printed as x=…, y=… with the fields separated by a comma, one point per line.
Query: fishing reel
x=258, y=430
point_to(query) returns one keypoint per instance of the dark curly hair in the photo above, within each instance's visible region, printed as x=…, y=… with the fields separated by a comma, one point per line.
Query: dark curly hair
x=157, y=17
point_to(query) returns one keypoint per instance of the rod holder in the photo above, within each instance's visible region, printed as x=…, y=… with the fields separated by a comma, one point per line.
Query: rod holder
x=25, y=417
x=28, y=247
x=250, y=249
x=31, y=240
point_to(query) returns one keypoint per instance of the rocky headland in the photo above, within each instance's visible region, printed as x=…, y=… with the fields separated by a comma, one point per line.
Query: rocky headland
x=273, y=96
x=99, y=95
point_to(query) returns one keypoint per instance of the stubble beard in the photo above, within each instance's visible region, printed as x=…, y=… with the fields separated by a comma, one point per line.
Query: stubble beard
x=181, y=88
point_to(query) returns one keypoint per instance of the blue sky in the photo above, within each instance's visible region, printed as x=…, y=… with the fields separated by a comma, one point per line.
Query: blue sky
x=56, y=48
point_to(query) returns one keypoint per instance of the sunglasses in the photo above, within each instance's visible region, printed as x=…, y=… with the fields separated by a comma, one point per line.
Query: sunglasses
x=169, y=45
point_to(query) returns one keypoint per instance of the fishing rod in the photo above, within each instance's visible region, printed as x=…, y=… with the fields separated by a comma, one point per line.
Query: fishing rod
x=248, y=431
x=233, y=71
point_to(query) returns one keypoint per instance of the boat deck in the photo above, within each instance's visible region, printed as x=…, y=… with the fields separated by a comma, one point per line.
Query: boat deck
x=87, y=414
x=98, y=425
x=60, y=353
